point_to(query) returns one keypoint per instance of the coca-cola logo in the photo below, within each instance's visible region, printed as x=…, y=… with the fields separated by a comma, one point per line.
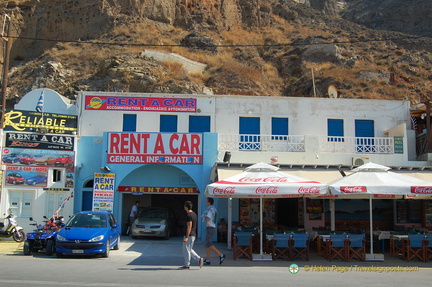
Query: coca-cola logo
x=421, y=189
x=224, y=190
x=353, y=189
x=266, y=190
x=264, y=179
x=309, y=189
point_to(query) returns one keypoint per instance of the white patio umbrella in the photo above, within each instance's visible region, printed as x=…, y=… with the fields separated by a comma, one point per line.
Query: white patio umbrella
x=374, y=180
x=262, y=180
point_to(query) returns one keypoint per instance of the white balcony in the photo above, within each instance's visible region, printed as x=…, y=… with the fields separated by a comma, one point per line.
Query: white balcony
x=297, y=143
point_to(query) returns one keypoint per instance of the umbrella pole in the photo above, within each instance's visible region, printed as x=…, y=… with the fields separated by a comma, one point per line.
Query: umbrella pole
x=371, y=224
x=261, y=256
x=372, y=256
x=229, y=231
x=261, y=226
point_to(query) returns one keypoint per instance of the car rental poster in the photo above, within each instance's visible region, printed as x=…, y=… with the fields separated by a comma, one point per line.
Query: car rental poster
x=159, y=148
x=26, y=175
x=38, y=157
x=103, y=191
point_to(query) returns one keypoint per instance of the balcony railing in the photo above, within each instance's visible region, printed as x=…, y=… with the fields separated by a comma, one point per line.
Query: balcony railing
x=296, y=143
x=361, y=145
x=261, y=143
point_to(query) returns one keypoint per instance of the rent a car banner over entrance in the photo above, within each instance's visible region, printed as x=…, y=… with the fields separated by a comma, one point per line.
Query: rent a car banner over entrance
x=163, y=148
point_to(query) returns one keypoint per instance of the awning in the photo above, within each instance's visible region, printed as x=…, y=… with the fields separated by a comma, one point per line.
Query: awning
x=321, y=175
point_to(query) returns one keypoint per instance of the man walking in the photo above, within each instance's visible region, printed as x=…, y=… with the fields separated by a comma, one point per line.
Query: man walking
x=210, y=216
x=189, y=238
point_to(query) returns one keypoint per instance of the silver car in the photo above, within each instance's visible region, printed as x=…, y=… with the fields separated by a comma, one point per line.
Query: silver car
x=154, y=222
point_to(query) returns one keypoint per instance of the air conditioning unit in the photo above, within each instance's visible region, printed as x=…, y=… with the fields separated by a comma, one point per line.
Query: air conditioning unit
x=360, y=160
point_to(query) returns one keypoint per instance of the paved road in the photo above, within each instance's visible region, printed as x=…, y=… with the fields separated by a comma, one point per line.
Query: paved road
x=155, y=263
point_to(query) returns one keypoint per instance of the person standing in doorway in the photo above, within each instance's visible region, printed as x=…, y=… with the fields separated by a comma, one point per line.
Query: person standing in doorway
x=210, y=216
x=134, y=212
x=189, y=237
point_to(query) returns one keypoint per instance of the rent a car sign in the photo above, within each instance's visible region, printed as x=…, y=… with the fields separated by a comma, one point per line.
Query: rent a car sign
x=163, y=148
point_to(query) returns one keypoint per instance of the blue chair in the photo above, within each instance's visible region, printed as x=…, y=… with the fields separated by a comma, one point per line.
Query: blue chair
x=242, y=244
x=414, y=247
x=396, y=247
x=299, y=246
x=281, y=248
x=356, y=247
x=336, y=247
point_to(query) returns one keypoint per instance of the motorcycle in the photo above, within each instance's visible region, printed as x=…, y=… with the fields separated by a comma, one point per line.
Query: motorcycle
x=44, y=236
x=10, y=228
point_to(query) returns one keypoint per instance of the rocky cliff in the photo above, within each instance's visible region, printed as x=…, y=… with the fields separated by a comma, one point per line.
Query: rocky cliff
x=253, y=47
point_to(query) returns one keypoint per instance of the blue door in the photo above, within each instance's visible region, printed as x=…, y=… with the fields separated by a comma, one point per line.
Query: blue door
x=249, y=133
x=279, y=129
x=363, y=130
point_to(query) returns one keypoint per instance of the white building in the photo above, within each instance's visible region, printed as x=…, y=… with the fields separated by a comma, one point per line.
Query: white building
x=165, y=148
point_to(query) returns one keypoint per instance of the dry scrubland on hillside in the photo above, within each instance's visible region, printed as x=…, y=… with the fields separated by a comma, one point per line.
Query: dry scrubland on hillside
x=263, y=48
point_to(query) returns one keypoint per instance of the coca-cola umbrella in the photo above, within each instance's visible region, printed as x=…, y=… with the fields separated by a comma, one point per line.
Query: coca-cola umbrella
x=372, y=180
x=262, y=180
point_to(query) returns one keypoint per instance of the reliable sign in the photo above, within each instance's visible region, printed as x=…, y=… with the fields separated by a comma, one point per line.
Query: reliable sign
x=148, y=104
x=39, y=141
x=25, y=121
x=164, y=148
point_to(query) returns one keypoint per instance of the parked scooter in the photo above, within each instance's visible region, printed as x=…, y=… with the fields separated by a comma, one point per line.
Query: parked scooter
x=43, y=237
x=10, y=228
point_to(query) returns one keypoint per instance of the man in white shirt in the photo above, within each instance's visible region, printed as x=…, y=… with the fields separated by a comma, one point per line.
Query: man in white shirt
x=210, y=216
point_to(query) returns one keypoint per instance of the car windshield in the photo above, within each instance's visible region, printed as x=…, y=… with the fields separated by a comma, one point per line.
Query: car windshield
x=153, y=213
x=88, y=220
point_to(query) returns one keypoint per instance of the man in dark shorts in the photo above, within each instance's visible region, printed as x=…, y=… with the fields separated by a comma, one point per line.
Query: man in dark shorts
x=189, y=238
x=210, y=216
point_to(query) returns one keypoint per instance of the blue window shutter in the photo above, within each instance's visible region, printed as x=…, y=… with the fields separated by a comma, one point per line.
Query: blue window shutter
x=129, y=122
x=199, y=124
x=168, y=123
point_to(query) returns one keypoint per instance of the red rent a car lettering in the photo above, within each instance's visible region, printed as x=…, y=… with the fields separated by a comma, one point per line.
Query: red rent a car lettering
x=421, y=189
x=311, y=189
x=224, y=190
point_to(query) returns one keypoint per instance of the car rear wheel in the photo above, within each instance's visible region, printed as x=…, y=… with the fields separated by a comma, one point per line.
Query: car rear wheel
x=107, y=250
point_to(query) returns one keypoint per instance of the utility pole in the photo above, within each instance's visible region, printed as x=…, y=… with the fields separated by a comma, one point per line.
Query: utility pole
x=5, y=36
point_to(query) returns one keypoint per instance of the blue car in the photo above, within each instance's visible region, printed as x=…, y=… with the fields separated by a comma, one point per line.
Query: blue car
x=89, y=233
x=36, y=179
x=11, y=158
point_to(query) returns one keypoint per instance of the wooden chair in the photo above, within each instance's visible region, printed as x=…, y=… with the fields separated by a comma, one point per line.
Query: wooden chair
x=336, y=247
x=242, y=245
x=281, y=248
x=396, y=247
x=428, y=247
x=414, y=247
x=299, y=246
x=356, y=247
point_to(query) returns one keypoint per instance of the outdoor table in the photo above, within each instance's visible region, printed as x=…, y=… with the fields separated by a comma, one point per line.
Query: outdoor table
x=382, y=235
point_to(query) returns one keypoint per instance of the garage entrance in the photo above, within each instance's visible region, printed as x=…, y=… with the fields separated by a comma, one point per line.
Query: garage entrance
x=173, y=201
